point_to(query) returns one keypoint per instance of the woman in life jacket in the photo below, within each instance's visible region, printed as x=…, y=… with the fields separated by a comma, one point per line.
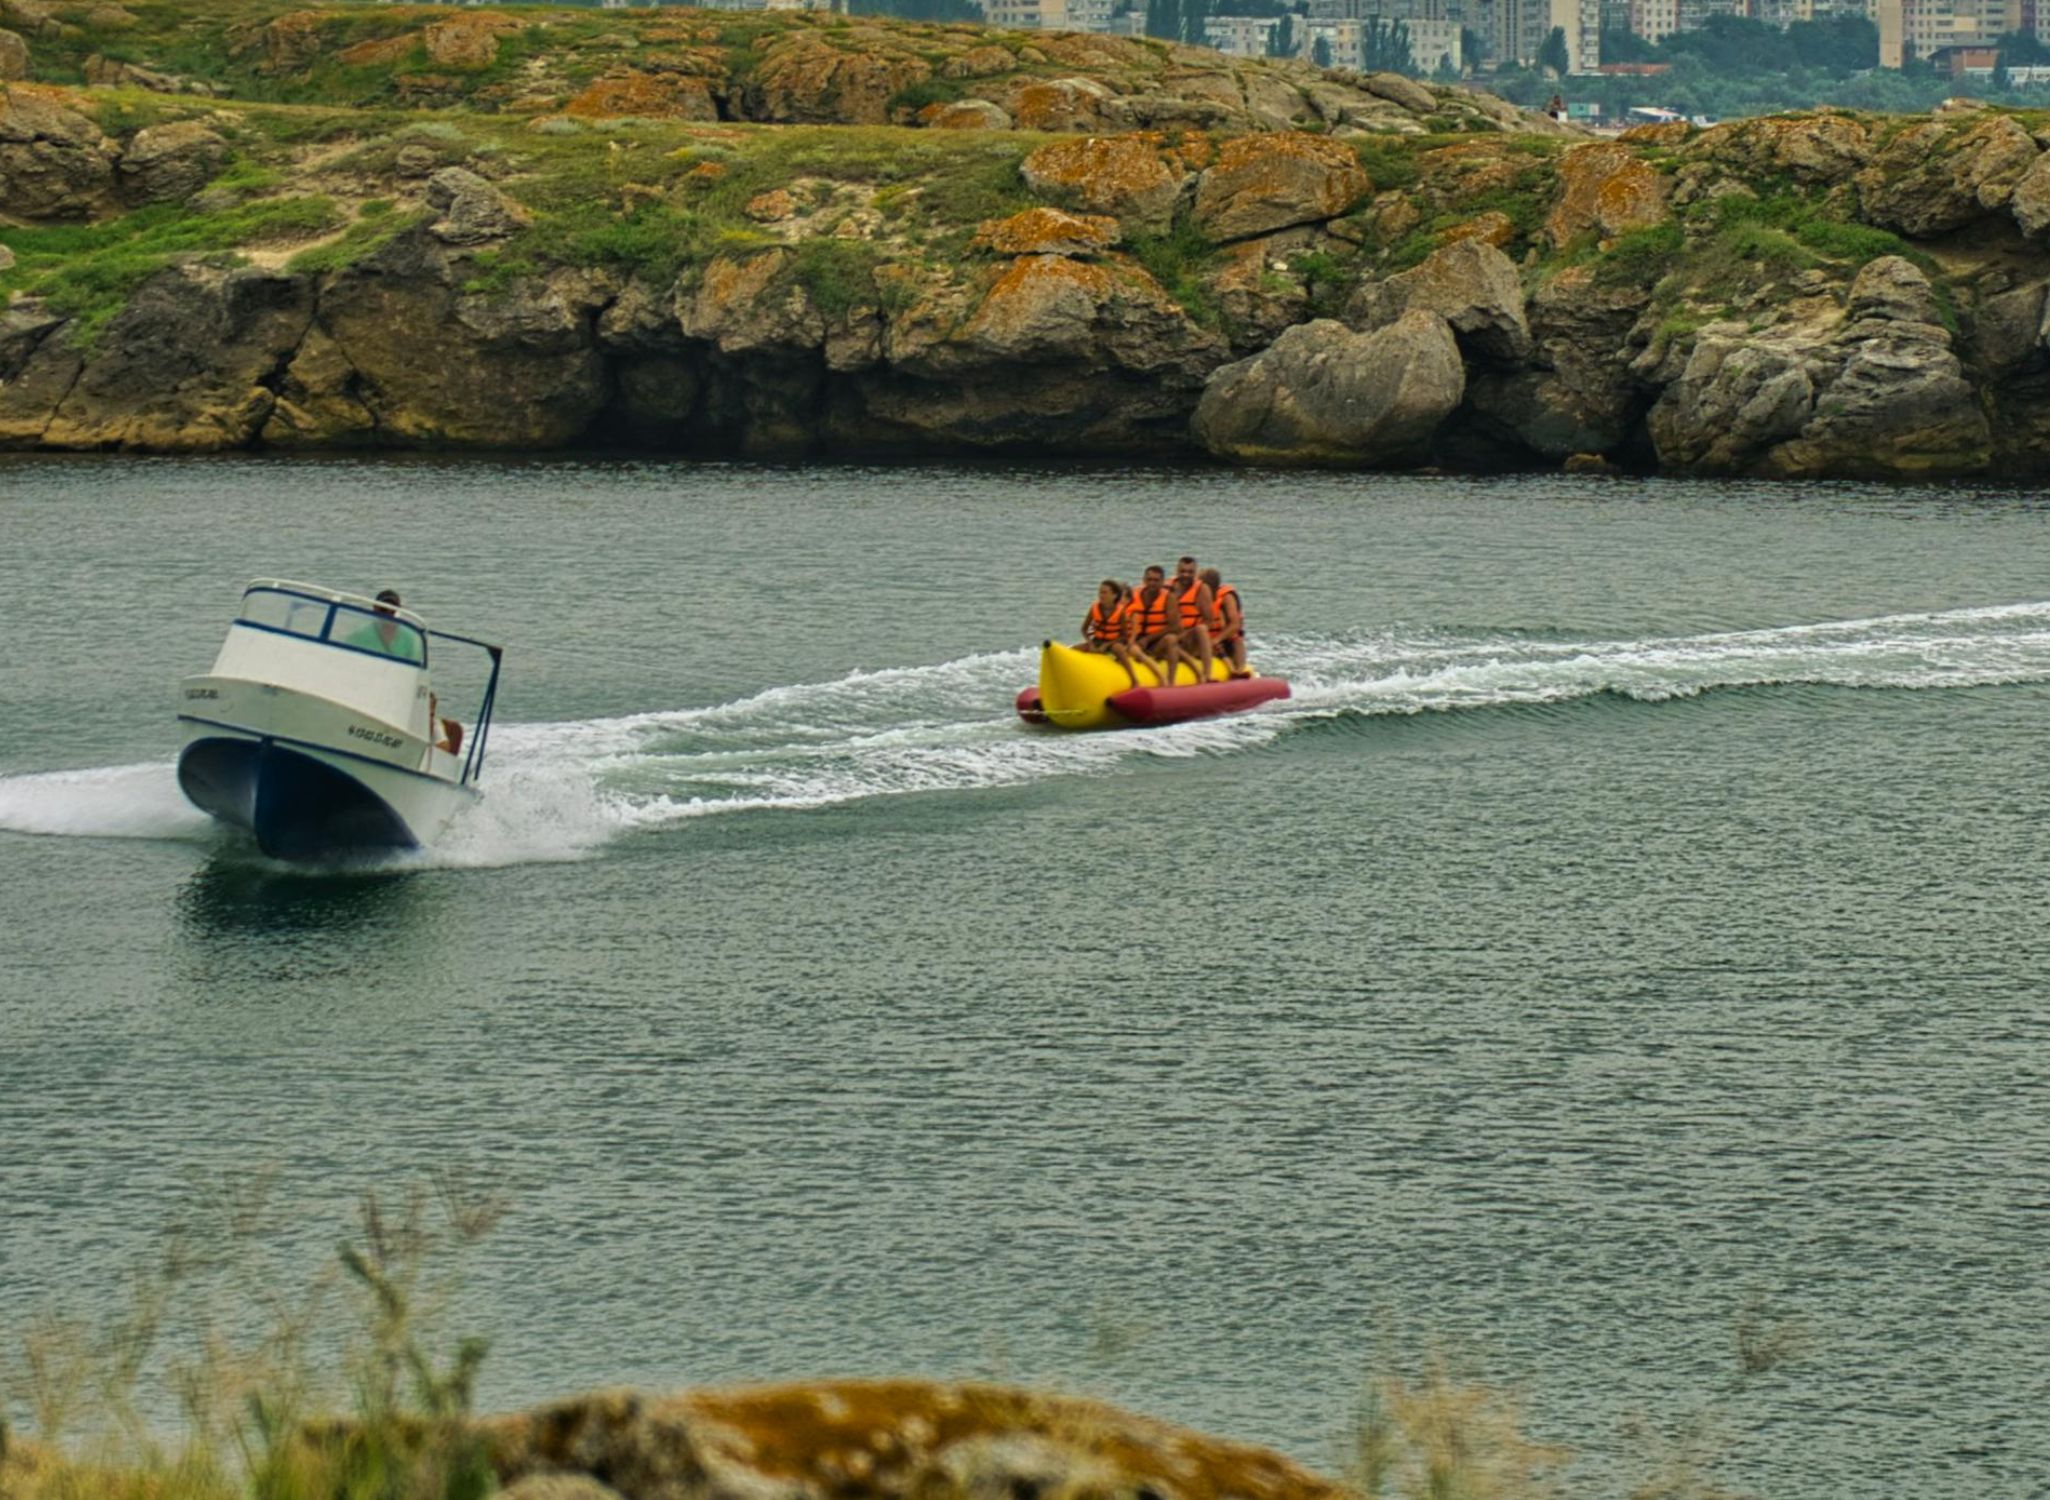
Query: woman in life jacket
x=1227, y=622
x=1111, y=626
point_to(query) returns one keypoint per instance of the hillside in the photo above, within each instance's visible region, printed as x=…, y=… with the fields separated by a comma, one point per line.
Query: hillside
x=592, y=237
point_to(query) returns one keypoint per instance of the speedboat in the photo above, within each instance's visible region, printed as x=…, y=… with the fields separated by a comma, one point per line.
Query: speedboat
x=1086, y=690
x=318, y=730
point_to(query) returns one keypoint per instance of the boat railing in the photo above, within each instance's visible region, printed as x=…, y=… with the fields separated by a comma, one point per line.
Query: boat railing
x=473, y=758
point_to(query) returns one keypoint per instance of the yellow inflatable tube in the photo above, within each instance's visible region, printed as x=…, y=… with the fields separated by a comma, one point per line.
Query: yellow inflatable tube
x=1073, y=685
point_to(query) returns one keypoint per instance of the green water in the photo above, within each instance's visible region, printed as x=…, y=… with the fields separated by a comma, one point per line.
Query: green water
x=1636, y=914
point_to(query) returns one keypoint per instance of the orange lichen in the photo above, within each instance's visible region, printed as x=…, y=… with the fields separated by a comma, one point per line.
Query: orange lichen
x=1112, y=174
x=1493, y=228
x=648, y=96
x=1606, y=189
x=380, y=50
x=469, y=40
x=1047, y=231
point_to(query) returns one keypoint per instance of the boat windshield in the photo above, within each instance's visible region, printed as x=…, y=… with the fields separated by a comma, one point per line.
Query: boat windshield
x=338, y=624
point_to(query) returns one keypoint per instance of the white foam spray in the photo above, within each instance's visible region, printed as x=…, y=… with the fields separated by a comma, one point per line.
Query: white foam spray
x=563, y=791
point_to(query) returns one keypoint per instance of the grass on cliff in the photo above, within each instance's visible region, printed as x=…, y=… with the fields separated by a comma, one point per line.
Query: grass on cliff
x=88, y=272
x=342, y=1394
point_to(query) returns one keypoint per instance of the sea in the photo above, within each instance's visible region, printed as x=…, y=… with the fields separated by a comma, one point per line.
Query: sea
x=1616, y=976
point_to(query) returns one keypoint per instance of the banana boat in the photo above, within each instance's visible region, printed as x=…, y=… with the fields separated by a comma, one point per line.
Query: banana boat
x=1082, y=690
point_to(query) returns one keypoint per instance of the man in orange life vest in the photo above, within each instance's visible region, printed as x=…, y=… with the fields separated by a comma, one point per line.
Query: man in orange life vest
x=1193, y=611
x=1227, y=622
x=1156, y=633
x=1109, y=627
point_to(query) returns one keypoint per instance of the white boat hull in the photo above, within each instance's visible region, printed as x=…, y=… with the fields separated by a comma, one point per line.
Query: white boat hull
x=310, y=779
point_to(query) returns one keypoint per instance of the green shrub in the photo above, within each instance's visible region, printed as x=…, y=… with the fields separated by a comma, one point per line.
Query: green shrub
x=1389, y=160
x=926, y=91
x=838, y=275
x=1177, y=260
x=1639, y=257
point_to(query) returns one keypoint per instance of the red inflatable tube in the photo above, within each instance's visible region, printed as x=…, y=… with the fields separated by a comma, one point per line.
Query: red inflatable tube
x=1200, y=700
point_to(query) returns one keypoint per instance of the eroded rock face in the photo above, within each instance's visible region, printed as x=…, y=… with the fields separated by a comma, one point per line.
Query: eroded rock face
x=1127, y=177
x=427, y=364
x=13, y=56
x=54, y=163
x=163, y=163
x=1936, y=177
x=1322, y=394
x=1575, y=393
x=1470, y=284
x=186, y=366
x=1877, y=392
x=964, y=114
x=1261, y=183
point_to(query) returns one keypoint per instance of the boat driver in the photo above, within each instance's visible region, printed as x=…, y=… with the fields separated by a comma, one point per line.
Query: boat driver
x=382, y=636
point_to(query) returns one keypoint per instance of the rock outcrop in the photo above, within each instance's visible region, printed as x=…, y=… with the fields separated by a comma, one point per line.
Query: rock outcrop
x=1470, y=284
x=13, y=56
x=1262, y=183
x=1322, y=394
x=54, y=162
x=163, y=163
x=886, y=1440
x=1875, y=391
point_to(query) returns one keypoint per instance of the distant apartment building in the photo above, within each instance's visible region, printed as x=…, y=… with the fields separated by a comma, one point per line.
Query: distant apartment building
x=1654, y=20
x=1241, y=36
x=1933, y=26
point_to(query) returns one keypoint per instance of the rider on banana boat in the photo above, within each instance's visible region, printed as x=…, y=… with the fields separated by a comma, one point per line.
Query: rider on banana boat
x=1155, y=632
x=1227, y=622
x=1194, y=609
x=1108, y=628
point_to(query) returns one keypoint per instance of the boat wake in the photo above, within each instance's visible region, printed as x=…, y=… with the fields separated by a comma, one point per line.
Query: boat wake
x=562, y=791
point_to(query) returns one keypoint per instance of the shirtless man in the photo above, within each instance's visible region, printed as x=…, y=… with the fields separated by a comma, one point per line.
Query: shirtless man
x=1194, y=608
x=1227, y=622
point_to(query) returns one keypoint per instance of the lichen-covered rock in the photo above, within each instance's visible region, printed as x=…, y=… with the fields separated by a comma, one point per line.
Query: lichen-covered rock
x=1127, y=177
x=964, y=114
x=1261, y=183
x=467, y=41
x=805, y=81
x=885, y=1440
x=1322, y=394
x=1605, y=189
x=163, y=163
x=1490, y=227
x=1397, y=89
x=1470, y=284
x=632, y=92
x=54, y=163
x=13, y=56
x=980, y=62
x=1815, y=150
x=1057, y=104
x=1047, y=231
x=111, y=73
x=1937, y=177
x=472, y=211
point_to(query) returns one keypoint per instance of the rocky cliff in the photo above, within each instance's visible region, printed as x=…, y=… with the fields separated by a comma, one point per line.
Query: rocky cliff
x=819, y=236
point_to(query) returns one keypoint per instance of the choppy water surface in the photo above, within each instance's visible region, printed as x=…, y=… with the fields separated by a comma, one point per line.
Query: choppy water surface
x=1635, y=915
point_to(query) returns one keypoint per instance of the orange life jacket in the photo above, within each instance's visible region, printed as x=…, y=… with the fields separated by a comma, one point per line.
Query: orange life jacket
x=1191, y=611
x=1152, y=617
x=1218, y=620
x=1110, y=627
